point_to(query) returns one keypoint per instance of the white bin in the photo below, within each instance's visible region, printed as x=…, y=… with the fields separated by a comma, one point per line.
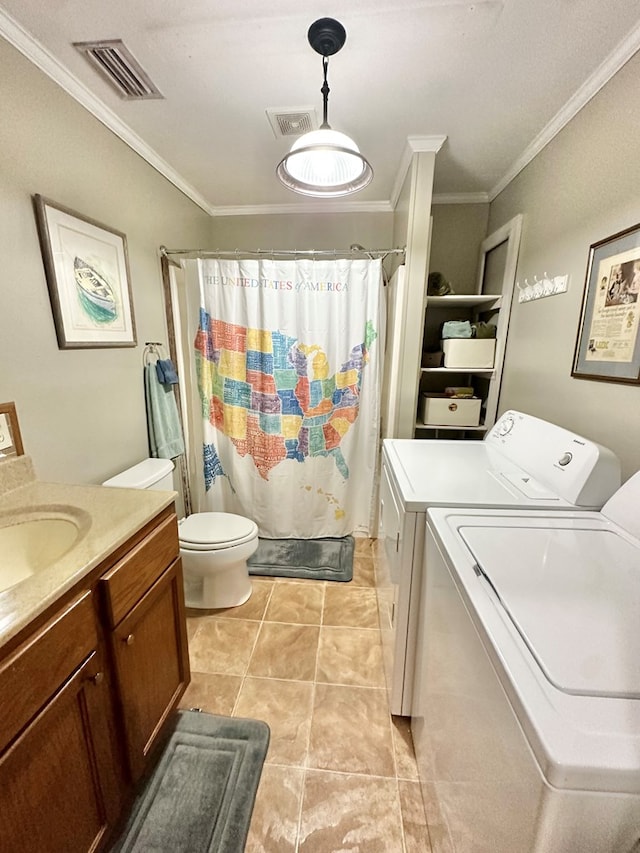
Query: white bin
x=440, y=410
x=469, y=353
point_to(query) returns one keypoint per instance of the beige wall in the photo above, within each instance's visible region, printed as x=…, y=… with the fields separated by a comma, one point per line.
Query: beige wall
x=303, y=231
x=583, y=187
x=456, y=235
x=81, y=412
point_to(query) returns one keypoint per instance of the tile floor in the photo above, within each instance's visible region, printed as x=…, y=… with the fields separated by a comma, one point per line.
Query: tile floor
x=305, y=656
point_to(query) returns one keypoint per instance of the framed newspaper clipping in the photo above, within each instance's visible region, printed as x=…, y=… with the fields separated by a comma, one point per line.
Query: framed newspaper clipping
x=608, y=342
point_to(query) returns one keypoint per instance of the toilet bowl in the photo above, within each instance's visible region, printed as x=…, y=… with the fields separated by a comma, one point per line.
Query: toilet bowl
x=214, y=546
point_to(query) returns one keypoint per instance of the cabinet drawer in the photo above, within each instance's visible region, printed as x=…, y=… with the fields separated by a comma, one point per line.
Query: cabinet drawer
x=37, y=668
x=126, y=582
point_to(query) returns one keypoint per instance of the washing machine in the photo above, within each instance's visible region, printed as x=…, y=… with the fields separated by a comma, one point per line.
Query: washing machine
x=523, y=461
x=526, y=719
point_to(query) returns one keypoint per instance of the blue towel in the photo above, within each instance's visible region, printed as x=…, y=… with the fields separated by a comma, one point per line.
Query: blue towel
x=163, y=424
x=456, y=329
x=167, y=373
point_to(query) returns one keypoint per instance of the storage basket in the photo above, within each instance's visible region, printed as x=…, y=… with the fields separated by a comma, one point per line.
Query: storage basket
x=469, y=353
x=442, y=410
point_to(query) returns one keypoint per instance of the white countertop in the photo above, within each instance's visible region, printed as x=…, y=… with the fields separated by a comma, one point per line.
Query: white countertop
x=107, y=517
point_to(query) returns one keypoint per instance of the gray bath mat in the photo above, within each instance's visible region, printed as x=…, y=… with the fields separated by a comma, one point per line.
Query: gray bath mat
x=322, y=559
x=200, y=795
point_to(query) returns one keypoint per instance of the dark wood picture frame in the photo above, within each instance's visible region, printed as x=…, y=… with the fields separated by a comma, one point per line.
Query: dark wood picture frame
x=608, y=342
x=87, y=270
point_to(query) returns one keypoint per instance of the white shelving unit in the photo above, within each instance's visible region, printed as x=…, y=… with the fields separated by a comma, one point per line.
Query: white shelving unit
x=465, y=300
x=491, y=303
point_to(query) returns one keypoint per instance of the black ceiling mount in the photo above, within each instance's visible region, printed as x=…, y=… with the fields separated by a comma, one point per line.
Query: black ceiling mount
x=326, y=36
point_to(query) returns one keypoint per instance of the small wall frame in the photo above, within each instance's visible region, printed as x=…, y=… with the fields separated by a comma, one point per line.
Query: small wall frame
x=10, y=438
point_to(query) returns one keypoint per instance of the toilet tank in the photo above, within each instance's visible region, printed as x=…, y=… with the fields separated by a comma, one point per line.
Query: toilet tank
x=148, y=474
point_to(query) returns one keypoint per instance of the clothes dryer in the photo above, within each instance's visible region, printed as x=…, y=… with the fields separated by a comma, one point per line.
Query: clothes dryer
x=522, y=462
x=526, y=718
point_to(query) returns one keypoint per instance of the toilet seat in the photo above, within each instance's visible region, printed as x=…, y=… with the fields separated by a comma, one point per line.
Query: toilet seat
x=215, y=531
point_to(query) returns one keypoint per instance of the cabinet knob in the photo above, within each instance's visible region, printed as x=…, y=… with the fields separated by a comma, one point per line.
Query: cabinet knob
x=130, y=639
x=98, y=678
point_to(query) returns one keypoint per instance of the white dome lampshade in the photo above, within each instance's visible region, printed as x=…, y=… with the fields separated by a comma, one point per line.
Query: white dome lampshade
x=325, y=163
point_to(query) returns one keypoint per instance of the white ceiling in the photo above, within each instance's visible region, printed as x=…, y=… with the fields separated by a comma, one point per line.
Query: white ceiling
x=497, y=77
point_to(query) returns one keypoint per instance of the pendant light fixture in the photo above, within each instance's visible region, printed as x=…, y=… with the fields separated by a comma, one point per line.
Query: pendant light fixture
x=324, y=162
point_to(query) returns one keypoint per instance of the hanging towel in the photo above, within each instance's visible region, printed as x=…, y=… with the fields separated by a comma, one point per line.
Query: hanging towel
x=163, y=424
x=167, y=373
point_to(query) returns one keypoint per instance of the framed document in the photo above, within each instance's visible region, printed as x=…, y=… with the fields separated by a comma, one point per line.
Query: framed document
x=608, y=343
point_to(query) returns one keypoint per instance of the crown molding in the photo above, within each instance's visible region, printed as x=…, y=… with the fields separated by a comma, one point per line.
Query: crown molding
x=319, y=206
x=418, y=144
x=343, y=206
x=46, y=62
x=460, y=198
x=415, y=145
x=592, y=85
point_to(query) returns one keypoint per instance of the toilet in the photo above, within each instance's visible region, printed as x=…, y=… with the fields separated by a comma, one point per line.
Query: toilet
x=214, y=546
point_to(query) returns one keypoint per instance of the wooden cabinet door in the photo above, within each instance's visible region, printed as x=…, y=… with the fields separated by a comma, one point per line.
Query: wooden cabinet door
x=152, y=664
x=58, y=786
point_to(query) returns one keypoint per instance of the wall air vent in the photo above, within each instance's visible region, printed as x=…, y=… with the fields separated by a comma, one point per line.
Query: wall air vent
x=292, y=122
x=116, y=64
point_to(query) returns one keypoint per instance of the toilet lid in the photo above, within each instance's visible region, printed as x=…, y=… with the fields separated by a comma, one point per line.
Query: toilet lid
x=214, y=530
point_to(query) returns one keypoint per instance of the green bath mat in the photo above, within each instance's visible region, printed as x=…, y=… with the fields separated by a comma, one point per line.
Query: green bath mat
x=200, y=795
x=322, y=559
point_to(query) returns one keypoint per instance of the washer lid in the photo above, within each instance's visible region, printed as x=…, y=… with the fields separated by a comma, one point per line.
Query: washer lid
x=574, y=597
x=216, y=529
x=441, y=473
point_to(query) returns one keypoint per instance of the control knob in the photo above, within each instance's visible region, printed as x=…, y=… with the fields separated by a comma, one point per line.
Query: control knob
x=506, y=425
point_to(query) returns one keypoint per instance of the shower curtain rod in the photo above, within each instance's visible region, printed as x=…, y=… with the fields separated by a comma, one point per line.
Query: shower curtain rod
x=353, y=252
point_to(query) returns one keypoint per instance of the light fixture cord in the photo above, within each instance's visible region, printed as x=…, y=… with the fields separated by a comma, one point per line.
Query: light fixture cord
x=325, y=94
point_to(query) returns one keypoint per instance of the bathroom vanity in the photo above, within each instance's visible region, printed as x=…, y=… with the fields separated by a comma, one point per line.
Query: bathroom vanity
x=93, y=660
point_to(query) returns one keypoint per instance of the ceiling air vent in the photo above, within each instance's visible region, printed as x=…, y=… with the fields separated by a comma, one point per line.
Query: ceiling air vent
x=292, y=122
x=116, y=64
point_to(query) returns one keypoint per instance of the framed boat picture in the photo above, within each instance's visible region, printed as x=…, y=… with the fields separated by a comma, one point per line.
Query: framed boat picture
x=87, y=271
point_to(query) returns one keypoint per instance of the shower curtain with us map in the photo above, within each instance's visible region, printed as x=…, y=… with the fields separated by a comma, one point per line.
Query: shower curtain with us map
x=289, y=375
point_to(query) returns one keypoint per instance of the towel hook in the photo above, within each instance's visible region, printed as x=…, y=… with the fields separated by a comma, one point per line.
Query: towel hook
x=151, y=348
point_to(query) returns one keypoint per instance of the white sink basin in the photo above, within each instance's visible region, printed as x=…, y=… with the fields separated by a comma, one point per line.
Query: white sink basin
x=30, y=541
